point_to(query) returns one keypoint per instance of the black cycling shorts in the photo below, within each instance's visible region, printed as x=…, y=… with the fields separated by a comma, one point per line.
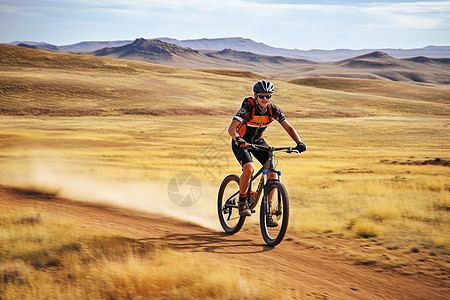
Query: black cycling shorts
x=243, y=155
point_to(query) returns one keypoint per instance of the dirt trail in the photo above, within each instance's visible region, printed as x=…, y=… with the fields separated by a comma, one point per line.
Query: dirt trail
x=317, y=272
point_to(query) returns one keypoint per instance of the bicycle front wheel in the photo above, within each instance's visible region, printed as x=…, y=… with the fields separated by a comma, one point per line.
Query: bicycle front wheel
x=274, y=214
x=227, y=205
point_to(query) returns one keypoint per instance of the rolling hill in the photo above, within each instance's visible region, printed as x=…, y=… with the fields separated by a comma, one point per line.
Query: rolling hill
x=142, y=49
x=155, y=51
x=248, y=45
x=375, y=65
x=377, y=88
x=77, y=47
x=379, y=65
x=40, y=80
x=159, y=52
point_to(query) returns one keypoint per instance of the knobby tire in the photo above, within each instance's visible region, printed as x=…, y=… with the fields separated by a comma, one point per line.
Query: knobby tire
x=224, y=192
x=274, y=238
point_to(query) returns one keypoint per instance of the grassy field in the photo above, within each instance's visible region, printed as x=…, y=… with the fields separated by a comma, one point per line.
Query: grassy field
x=47, y=258
x=369, y=170
x=376, y=169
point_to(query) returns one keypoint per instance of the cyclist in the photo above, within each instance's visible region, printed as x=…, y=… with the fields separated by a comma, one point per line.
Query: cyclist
x=247, y=126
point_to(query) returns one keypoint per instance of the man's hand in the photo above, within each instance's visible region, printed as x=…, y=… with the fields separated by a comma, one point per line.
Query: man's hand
x=300, y=147
x=240, y=142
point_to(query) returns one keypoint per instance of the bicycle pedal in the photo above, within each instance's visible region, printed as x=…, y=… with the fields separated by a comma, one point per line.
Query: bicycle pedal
x=253, y=211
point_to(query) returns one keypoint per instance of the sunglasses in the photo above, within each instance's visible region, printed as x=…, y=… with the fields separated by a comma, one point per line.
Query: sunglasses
x=265, y=96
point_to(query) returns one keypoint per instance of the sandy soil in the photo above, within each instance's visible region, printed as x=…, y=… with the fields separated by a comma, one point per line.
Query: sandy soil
x=316, y=270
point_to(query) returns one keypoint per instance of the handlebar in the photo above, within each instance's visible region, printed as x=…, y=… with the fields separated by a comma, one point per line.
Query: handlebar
x=271, y=149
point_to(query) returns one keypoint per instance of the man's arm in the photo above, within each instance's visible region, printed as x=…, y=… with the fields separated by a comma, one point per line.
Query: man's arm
x=232, y=128
x=291, y=131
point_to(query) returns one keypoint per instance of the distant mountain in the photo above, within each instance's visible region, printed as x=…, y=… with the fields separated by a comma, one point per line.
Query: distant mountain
x=245, y=57
x=82, y=46
x=159, y=52
x=42, y=46
x=38, y=45
x=248, y=45
x=91, y=46
x=340, y=54
x=156, y=51
x=380, y=65
x=15, y=43
x=374, y=65
x=376, y=59
x=237, y=43
x=147, y=50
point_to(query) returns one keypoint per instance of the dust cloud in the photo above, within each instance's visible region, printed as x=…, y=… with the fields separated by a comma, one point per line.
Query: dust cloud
x=147, y=196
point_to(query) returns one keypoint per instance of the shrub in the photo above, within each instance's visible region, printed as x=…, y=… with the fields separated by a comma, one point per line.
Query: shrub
x=366, y=229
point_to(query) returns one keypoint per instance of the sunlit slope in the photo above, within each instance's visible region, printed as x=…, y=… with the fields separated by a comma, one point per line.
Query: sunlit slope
x=34, y=82
x=378, y=88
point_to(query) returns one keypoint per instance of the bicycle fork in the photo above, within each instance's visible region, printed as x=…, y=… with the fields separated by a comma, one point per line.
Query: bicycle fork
x=267, y=198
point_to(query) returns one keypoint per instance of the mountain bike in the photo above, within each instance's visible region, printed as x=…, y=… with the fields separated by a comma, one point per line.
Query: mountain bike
x=274, y=204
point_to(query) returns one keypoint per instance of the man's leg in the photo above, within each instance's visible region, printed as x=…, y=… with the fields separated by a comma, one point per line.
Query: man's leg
x=247, y=172
x=244, y=182
x=245, y=159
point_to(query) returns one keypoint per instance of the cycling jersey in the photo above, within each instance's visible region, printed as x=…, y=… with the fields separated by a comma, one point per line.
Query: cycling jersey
x=253, y=121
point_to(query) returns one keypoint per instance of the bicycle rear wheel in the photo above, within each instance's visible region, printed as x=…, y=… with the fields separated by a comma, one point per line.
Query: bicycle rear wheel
x=227, y=205
x=278, y=210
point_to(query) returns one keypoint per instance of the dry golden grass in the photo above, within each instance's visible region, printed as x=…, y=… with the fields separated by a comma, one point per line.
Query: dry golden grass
x=378, y=88
x=365, y=173
x=45, y=258
x=233, y=73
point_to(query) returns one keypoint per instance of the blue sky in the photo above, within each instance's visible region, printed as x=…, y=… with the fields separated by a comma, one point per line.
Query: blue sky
x=321, y=24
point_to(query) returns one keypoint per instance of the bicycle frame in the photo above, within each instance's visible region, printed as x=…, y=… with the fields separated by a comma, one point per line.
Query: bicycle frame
x=253, y=199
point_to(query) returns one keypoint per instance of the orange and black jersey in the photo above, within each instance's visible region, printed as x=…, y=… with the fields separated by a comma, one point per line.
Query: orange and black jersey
x=253, y=121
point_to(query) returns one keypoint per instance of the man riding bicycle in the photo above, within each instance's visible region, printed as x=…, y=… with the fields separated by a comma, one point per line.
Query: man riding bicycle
x=247, y=126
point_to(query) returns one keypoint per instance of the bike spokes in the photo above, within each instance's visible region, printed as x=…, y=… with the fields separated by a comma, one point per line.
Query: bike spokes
x=229, y=209
x=274, y=215
x=227, y=204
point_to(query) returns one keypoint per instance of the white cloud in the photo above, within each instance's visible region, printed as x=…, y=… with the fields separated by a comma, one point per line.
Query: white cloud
x=10, y=9
x=420, y=15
